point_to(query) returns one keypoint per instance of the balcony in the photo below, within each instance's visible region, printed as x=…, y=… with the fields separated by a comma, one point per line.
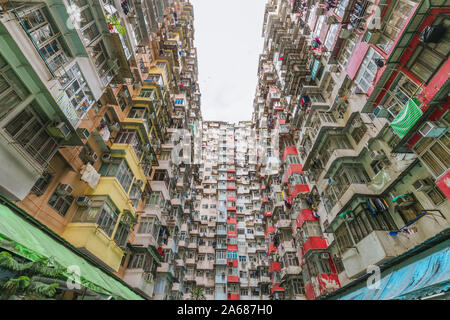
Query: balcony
x=205, y=249
x=220, y=261
x=192, y=245
x=221, y=279
x=145, y=240
x=220, y=296
x=375, y=249
x=221, y=232
x=90, y=237
x=233, y=296
x=290, y=270
x=137, y=278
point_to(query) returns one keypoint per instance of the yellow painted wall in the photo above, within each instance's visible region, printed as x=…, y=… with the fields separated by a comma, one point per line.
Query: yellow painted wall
x=96, y=241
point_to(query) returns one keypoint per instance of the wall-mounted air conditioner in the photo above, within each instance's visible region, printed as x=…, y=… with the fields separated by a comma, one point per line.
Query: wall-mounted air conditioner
x=106, y=158
x=432, y=129
x=92, y=156
x=60, y=130
x=423, y=185
x=380, y=112
x=377, y=155
x=84, y=202
x=324, y=256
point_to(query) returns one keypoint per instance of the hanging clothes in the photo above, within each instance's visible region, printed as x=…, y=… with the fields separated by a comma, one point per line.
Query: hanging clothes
x=370, y=207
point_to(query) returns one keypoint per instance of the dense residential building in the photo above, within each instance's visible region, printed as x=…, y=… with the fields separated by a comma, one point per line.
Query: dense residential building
x=357, y=92
x=109, y=171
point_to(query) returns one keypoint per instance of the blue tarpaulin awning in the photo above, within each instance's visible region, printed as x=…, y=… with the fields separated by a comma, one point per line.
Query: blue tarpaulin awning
x=427, y=276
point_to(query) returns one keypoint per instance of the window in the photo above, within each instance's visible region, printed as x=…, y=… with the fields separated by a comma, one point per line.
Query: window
x=119, y=169
x=436, y=196
x=28, y=129
x=102, y=212
x=146, y=225
x=135, y=194
x=45, y=36
x=367, y=70
x=101, y=60
x=298, y=286
x=232, y=255
x=42, y=184
x=428, y=57
x=147, y=93
x=12, y=89
x=156, y=199
x=131, y=136
x=340, y=8
x=331, y=36
x=61, y=203
x=88, y=27
x=435, y=154
x=137, y=261
x=347, y=49
x=399, y=93
x=410, y=213
x=76, y=89
x=360, y=223
x=393, y=25
x=318, y=26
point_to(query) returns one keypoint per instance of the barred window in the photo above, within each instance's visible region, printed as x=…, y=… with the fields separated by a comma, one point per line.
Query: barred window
x=29, y=130
x=61, y=203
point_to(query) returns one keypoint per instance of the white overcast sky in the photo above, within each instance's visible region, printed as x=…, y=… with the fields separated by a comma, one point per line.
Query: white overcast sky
x=229, y=42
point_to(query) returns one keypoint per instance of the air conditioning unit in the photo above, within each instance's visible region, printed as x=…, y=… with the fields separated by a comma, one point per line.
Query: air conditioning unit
x=114, y=127
x=84, y=202
x=333, y=68
x=139, y=183
x=64, y=189
x=106, y=158
x=373, y=37
x=423, y=185
x=380, y=112
x=377, y=155
x=92, y=156
x=60, y=130
x=83, y=133
x=324, y=256
x=432, y=129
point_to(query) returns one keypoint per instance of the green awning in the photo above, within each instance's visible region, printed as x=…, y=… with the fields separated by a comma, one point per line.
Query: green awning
x=155, y=254
x=35, y=241
x=407, y=117
x=399, y=197
x=345, y=213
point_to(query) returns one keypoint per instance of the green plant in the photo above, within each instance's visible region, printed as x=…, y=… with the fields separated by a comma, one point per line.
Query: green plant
x=114, y=21
x=24, y=286
x=197, y=294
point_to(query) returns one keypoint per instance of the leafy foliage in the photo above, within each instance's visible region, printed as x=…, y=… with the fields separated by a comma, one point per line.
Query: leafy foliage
x=23, y=286
x=197, y=294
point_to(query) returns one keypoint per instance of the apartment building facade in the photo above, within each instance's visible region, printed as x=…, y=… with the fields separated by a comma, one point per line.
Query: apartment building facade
x=94, y=91
x=343, y=84
x=342, y=171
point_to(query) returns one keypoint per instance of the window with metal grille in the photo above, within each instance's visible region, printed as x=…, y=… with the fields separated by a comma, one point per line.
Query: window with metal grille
x=29, y=131
x=61, y=203
x=429, y=57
